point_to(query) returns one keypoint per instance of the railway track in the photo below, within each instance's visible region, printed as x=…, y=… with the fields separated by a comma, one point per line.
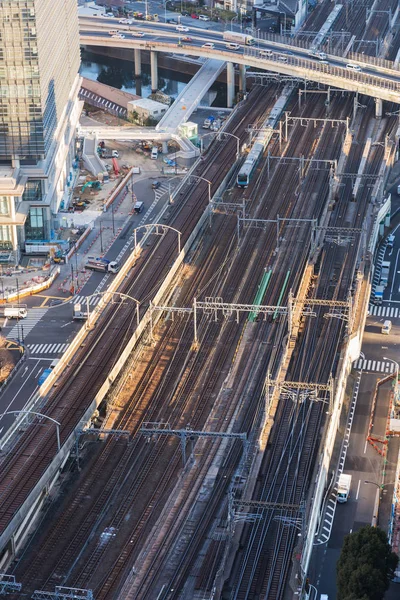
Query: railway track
x=144, y=460
x=143, y=290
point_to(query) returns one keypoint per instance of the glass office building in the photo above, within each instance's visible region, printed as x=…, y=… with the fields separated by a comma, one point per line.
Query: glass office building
x=39, y=111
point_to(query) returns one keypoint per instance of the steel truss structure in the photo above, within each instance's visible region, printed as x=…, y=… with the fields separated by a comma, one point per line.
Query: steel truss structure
x=149, y=429
x=63, y=593
x=339, y=235
x=296, y=308
x=8, y=584
x=92, y=430
x=300, y=390
x=220, y=206
x=262, y=223
x=304, y=121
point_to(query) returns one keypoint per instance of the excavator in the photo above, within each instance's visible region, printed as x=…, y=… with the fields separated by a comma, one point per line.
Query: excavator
x=95, y=185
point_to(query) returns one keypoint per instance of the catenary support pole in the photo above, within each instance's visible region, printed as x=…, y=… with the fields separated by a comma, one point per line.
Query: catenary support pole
x=230, y=82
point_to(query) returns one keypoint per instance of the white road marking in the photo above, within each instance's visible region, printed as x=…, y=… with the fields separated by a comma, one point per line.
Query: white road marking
x=358, y=489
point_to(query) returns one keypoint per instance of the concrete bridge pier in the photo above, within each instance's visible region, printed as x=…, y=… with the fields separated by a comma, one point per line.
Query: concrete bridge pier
x=242, y=78
x=138, y=63
x=230, y=82
x=378, y=108
x=154, y=71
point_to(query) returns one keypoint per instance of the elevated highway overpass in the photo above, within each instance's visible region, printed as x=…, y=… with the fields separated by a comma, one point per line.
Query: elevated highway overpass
x=380, y=82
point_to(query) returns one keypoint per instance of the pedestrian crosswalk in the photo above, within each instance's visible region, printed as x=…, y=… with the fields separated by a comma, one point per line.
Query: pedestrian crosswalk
x=47, y=348
x=163, y=189
x=24, y=326
x=82, y=300
x=380, y=366
x=384, y=311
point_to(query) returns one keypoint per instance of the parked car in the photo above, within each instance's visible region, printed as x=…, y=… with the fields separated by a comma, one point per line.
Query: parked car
x=204, y=18
x=185, y=13
x=194, y=16
x=172, y=21
x=155, y=185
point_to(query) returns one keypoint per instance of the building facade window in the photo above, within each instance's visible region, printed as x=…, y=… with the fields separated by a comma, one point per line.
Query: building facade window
x=5, y=237
x=5, y=206
x=35, y=224
x=33, y=191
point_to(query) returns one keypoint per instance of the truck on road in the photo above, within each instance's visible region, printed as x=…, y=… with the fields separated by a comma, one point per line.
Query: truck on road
x=79, y=314
x=385, y=273
x=102, y=264
x=238, y=38
x=378, y=295
x=208, y=122
x=343, y=488
x=16, y=312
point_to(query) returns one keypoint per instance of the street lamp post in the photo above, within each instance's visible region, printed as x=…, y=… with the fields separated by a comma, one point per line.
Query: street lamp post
x=31, y=412
x=209, y=192
x=219, y=134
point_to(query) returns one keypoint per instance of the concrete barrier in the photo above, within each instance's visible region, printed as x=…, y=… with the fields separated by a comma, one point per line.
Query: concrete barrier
x=79, y=242
x=32, y=289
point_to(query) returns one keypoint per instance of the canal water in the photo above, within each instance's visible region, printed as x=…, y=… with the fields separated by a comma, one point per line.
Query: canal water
x=120, y=74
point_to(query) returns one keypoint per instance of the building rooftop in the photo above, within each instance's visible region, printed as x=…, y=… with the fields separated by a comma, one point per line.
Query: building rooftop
x=148, y=104
x=108, y=92
x=11, y=181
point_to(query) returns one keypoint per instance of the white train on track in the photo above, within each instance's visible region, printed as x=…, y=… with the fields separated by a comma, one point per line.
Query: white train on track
x=262, y=139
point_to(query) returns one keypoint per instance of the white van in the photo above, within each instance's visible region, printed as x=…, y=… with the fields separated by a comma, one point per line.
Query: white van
x=232, y=46
x=204, y=18
x=154, y=153
x=15, y=312
x=352, y=67
x=386, y=327
x=266, y=53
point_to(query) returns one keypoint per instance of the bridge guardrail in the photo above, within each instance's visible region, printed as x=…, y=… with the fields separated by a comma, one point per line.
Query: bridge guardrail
x=308, y=67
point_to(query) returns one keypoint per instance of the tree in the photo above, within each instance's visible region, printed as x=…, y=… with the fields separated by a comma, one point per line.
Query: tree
x=366, y=565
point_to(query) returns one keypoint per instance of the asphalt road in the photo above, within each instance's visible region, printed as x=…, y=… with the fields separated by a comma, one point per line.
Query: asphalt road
x=363, y=461
x=98, y=26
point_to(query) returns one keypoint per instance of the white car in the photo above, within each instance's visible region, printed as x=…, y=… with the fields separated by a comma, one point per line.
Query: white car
x=123, y=21
x=182, y=28
x=118, y=35
x=138, y=33
x=208, y=46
